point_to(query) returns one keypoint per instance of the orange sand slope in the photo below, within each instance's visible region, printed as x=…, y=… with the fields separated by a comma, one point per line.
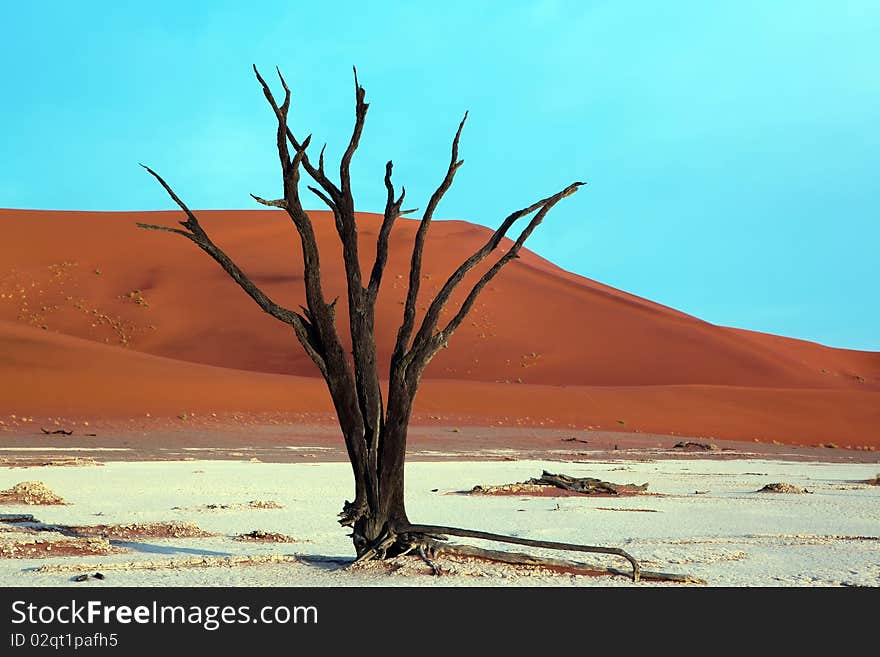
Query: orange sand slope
x=100, y=317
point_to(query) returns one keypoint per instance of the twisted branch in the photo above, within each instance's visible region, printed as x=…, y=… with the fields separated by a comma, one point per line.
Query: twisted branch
x=317, y=174
x=427, y=343
x=196, y=234
x=520, y=559
x=415, y=270
x=440, y=531
x=392, y=212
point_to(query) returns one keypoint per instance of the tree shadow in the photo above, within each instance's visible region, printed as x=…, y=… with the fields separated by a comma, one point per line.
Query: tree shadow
x=152, y=548
x=325, y=562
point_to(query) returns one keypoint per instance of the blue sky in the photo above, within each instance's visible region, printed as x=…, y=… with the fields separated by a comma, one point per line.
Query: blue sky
x=731, y=148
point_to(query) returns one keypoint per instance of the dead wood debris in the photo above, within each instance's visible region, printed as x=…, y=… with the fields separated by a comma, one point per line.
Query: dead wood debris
x=30, y=492
x=586, y=485
x=510, y=489
x=582, y=485
x=782, y=487
x=63, y=432
x=694, y=446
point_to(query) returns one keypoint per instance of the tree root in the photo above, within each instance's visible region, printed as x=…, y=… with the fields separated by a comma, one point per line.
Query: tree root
x=428, y=553
x=379, y=547
x=421, y=532
x=430, y=542
x=521, y=559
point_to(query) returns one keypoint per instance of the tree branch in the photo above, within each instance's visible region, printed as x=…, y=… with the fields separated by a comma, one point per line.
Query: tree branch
x=511, y=254
x=186, y=234
x=317, y=174
x=319, y=309
x=361, y=304
x=344, y=214
x=429, y=323
x=361, y=108
x=327, y=201
x=191, y=222
x=415, y=270
x=278, y=203
x=392, y=212
x=195, y=233
x=356, y=390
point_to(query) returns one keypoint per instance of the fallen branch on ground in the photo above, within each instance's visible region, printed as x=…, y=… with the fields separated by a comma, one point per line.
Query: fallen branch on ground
x=783, y=487
x=694, y=446
x=585, y=485
x=581, y=486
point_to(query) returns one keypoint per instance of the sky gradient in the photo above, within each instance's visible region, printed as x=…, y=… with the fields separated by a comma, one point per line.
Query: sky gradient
x=731, y=148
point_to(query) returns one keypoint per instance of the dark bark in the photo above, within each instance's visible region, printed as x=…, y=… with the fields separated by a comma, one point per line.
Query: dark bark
x=585, y=485
x=563, y=565
x=375, y=434
x=435, y=531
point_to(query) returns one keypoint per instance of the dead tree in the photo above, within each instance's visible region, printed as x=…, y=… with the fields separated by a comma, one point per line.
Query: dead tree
x=374, y=429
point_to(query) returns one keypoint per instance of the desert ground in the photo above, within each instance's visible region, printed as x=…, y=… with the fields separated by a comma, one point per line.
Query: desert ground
x=242, y=515
x=140, y=386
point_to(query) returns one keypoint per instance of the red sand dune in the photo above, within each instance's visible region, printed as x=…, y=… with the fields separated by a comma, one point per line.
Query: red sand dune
x=98, y=317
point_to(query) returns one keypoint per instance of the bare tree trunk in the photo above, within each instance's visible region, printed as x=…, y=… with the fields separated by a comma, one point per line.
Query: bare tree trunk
x=375, y=436
x=375, y=528
x=373, y=524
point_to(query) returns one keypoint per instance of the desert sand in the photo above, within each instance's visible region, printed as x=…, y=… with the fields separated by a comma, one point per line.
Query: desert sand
x=102, y=321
